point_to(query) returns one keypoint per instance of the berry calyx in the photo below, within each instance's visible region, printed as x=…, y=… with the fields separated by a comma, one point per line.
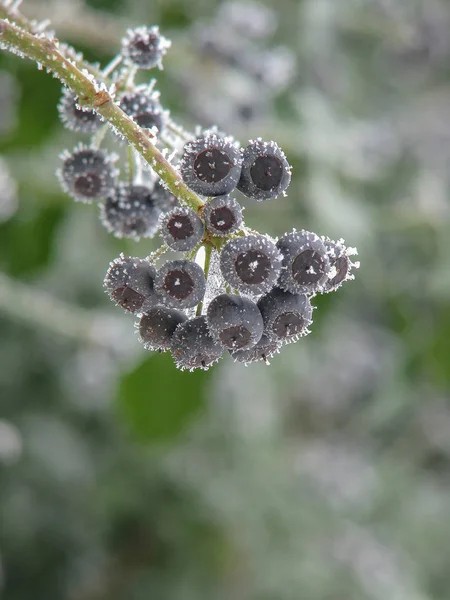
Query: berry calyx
x=250, y=264
x=144, y=47
x=180, y=283
x=263, y=350
x=286, y=316
x=144, y=109
x=265, y=171
x=305, y=262
x=181, y=229
x=74, y=117
x=87, y=174
x=211, y=165
x=222, y=215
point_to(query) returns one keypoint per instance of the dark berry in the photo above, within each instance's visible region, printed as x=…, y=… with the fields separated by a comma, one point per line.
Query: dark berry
x=130, y=212
x=265, y=171
x=75, y=118
x=193, y=347
x=286, y=316
x=144, y=108
x=340, y=265
x=222, y=215
x=250, y=264
x=129, y=283
x=163, y=198
x=87, y=174
x=234, y=321
x=263, y=350
x=305, y=262
x=181, y=228
x=157, y=326
x=211, y=165
x=144, y=47
x=180, y=283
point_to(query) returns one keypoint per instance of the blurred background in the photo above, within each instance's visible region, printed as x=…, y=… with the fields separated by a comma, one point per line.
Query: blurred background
x=325, y=476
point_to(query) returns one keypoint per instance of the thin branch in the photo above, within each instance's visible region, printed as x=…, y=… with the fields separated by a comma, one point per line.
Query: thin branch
x=45, y=52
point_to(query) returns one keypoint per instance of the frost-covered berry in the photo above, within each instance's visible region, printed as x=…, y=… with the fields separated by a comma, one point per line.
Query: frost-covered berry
x=130, y=212
x=305, y=262
x=340, y=265
x=87, y=174
x=180, y=283
x=222, y=215
x=144, y=47
x=181, y=229
x=250, y=264
x=263, y=350
x=193, y=347
x=144, y=108
x=211, y=165
x=163, y=198
x=129, y=282
x=265, y=171
x=74, y=117
x=157, y=326
x=286, y=316
x=234, y=321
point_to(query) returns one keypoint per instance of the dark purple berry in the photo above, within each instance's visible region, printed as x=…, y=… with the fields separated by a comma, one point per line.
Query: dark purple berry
x=181, y=229
x=75, y=118
x=286, y=316
x=340, y=265
x=144, y=47
x=211, y=165
x=193, y=347
x=157, y=326
x=234, y=321
x=250, y=264
x=87, y=174
x=180, y=283
x=129, y=283
x=305, y=262
x=263, y=350
x=144, y=108
x=130, y=212
x=265, y=171
x=222, y=215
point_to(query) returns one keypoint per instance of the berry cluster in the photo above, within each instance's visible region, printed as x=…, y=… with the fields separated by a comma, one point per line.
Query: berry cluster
x=230, y=289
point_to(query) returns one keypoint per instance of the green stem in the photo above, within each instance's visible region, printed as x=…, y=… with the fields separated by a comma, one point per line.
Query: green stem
x=46, y=52
x=208, y=251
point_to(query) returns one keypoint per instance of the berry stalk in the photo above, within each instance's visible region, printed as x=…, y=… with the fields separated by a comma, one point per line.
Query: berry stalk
x=45, y=52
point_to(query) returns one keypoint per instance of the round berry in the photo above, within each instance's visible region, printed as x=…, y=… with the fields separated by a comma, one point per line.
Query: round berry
x=211, y=165
x=265, y=171
x=76, y=118
x=145, y=110
x=87, y=174
x=193, y=347
x=340, y=265
x=181, y=229
x=250, y=264
x=180, y=283
x=144, y=47
x=234, y=321
x=263, y=350
x=286, y=316
x=157, y=326
x=222, y=215
x=129, y=282
x=163, y=198
x=305, y=262
x=130, y=212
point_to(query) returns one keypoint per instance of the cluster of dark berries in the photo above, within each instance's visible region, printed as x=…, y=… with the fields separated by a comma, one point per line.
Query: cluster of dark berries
x=231, y=290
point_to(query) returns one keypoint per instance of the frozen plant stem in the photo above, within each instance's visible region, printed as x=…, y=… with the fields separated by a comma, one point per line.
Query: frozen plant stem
x=208, y=250
x=44, y=51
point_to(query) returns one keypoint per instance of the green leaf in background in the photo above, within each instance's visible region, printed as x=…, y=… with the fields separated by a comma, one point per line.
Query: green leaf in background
x=157, y=401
